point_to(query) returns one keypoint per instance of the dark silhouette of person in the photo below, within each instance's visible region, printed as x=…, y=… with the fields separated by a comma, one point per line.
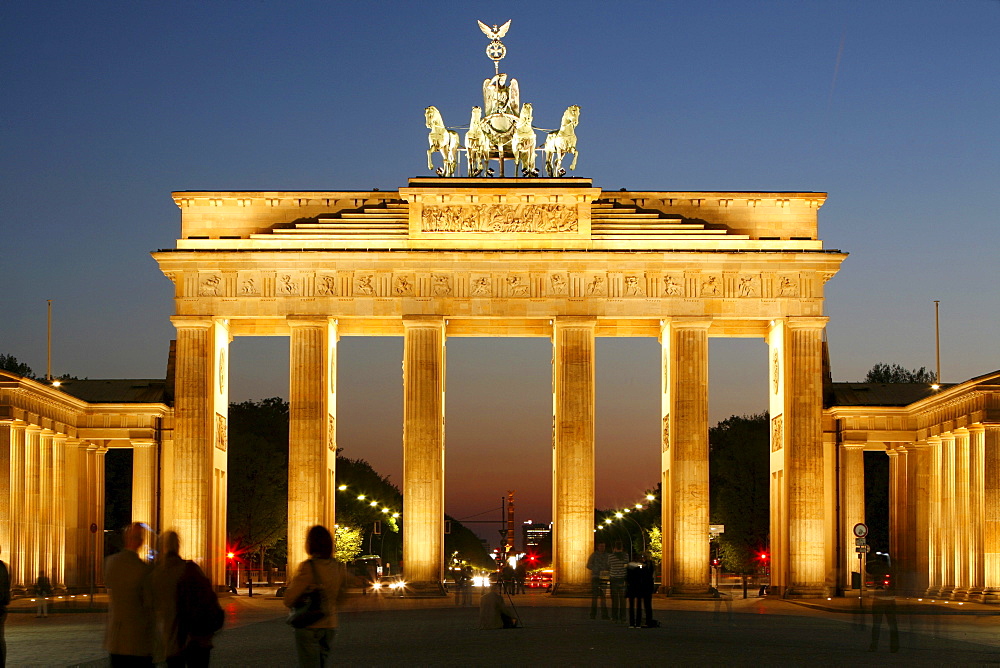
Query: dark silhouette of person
x=43, y=590
x=129, y=637
x=520, y=574
x=596, y=563
x=884, y=605
x=639, y=590
x=4, y=602
x=314, y=644
x=617, y=563
x=178, y=642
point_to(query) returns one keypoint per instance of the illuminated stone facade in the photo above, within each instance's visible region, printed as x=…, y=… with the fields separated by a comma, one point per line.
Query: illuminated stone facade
x=52, y=449
x=556, y=258
x=944, y=481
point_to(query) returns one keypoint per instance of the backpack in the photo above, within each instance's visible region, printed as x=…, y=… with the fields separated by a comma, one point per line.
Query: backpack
x=198, y=611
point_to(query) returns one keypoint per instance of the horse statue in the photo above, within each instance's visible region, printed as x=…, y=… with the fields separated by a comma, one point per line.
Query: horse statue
x=443, y=140
x=561, y=142
x=524, y=142
x=477, y=146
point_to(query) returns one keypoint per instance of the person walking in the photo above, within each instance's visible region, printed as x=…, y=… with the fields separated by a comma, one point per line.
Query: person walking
x=129, y=636
x=313, y=644
x=4, y=602
x=639, y=590
x=43, y=590
x=617, y=561
x=186, y=608
x=596, y=564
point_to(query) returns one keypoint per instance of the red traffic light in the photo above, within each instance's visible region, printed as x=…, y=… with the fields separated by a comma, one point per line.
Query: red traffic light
x=230, y=555
x=763, y=556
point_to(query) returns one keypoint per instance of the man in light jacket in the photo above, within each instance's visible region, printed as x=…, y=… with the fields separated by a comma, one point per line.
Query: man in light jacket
x=129, y=637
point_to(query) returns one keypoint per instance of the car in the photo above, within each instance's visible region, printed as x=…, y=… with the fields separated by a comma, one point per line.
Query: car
x=539, y=580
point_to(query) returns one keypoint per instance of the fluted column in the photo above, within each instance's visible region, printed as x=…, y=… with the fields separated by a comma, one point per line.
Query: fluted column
x=99, y=455
x=852, y=504
x=974, y=532
x=991, y=514
x=199, y=460
x=803, y=401
x=685, y=458
x=312, y=445
x=573, y=452
x=917, y=538
x=59, y=510
x=74, y=500
x=144, y=482
x=46, y=486
x=32, y=522
x=947, y=515
x=962, y=524
x=898, y=509
x=18, y=482
x=935, y=557
x=423, y=452
x=6, y=497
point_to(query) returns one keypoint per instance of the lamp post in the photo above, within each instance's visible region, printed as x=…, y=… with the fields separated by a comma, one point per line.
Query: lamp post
x=642, y=534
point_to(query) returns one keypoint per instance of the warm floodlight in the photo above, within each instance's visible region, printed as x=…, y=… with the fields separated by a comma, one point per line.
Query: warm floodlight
x=361, y=497
x=385, y=510
x=56, y=383
x=342, y=488
x=638, y=506
x=395, y=514
x=935, y=386
x=650, y=497
x=373, y=504
x=619, y=515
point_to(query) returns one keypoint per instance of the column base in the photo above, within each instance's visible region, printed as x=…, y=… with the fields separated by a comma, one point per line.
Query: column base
x=424, y=590
x=946, y=591
x=806, y=590
x=959, y=594
x=990, y=596
x=567, y=590
x=694, y=589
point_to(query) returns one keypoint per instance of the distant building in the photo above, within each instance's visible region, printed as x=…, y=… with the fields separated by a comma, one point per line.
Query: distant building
x=535, y=534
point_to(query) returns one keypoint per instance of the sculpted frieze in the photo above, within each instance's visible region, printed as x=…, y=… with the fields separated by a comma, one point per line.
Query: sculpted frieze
x=441, y=285
x=326, y=285
x=633, y=288
x=209, y=286
x=558, y=285
x=671, y=287
x=482, y=286
x=788, y=286
x=363, y=285
x=749, y=286
x=221, y=432
x=517, y=287
x=492, y=218
x=402, y=285
x=288, y=286
x=597, y=286
x=777, y=432
x=711, y=287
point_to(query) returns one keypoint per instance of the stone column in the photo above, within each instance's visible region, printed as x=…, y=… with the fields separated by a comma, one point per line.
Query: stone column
x=17, y=550
x=961, y=535
x=312, y=444
x=59, y=510
x=573, y=452
x=685, y=422
x=852, y=504
x=803, y=401
x=974, y=533
x=144, y=482
x=74, y=500
x=99, y=455
x=45, y=488
x=32, y=520
x=898, y=510
x=423, y=452
x=947, y=517
x=200, y=441
x=918, y=542
x=6, y=491
x=935, y=549
x=991, y=514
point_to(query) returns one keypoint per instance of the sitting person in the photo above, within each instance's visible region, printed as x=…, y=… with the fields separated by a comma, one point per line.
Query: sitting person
x=493, y=613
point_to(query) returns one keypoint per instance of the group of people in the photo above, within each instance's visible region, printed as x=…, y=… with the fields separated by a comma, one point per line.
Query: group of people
x=168, y=610
x=630, y=580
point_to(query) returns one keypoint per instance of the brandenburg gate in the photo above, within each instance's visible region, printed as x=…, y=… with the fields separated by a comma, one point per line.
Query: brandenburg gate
x=494, y=257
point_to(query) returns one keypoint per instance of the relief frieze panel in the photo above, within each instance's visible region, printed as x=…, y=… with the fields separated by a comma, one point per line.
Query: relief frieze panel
x=500, y=218
x=777, y=432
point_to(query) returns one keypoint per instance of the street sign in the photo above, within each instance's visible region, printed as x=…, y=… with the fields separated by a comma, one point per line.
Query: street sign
x=860, y=530
x=863, y=549
x=860, y=541
x=715, y=529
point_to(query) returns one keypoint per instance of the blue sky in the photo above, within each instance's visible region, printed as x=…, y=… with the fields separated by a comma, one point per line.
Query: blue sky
x=889, y=107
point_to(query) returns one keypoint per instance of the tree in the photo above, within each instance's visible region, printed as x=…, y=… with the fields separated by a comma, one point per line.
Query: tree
x=348, y=544
x=739, y=493
x=894, y=373
x=11, y=363
x=258, y=479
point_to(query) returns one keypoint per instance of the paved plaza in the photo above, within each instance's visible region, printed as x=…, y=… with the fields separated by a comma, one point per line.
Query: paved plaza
x=384, y=631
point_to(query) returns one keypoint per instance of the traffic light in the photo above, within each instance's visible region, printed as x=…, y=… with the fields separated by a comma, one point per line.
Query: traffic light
x=715, y=562
x=763, y=556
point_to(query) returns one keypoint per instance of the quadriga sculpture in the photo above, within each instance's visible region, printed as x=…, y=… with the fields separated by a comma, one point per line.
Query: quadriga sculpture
x=443, y=140
x=561, y=142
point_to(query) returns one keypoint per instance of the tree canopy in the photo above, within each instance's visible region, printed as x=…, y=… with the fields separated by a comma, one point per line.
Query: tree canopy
x=11, y=363
x=894, y=373
x=738, y=482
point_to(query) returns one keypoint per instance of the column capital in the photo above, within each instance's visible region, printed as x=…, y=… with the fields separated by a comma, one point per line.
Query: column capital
x=806, y=322
x=309, y=321
x=143, y=442
x=854, y=445
x=423, y=321
x=579, y=322
x=191, y=322
x=693, y=322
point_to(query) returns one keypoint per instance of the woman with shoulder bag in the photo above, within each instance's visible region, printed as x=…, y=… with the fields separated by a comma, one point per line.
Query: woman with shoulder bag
x=315, y=621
